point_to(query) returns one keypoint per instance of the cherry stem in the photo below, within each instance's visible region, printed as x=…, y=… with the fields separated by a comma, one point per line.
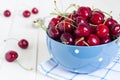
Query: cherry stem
x=40, y=23
x=86, y=43
x=82, y=38
x=28, y=69
x=70, y=6
x=11, y=38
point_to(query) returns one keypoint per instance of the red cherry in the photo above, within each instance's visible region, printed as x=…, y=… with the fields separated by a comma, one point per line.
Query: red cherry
x=82, y=30
x=65, y=26
x=11, y=56
x=80, y=20
x=85, y=12
x=97, y=18
x=93, y=40
x=35, y=11
x=7, y=13
x=115, y=29
x=54, y=22
x=80, y=42
x=102, y=30
x=66, y=38
x=53, y=33
x=105, y=40
x=110, y=21
x=73, y=16
x=23, y=43
x=26, y=13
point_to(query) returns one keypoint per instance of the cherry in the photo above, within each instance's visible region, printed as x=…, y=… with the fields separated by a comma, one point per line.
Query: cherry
x=97, y=18
x=85, y=12
x=26, y=13
x=23, y=43
x=102, y=30
x=73, y=16
x=110, y=21
x=54, y=22
x=7, y=13
x=115, y=29
x=65, y=26
x=35, y=10
x=80, y=20
x=105, y=40
x=11, y=56
x=80, y=42
x=93, y=40
x=82, y=30
x=53, y=33
x=66, y=38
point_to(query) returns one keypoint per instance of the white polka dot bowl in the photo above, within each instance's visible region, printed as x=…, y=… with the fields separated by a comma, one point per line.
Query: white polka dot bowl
x=82, y=59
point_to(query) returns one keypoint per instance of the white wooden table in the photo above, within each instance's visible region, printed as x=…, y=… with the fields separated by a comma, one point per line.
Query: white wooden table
x=19, y=27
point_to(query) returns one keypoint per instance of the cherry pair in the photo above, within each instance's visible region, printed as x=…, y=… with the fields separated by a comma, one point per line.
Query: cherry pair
x=26, y=13
x=12, y=55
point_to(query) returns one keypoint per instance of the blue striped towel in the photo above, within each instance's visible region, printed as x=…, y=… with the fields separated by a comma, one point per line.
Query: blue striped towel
x=51, y=69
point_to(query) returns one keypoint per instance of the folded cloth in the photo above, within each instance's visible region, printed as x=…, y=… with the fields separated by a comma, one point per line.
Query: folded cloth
x=52, y=69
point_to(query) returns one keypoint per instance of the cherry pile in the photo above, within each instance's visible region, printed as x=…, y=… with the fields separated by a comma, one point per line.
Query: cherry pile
x=84, y=27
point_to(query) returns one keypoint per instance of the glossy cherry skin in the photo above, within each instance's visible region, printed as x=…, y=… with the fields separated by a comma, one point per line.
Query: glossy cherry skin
x=80, y=20
x=97, y=18
x=26, y=13
x=115, y=29
x=109, y=22
x=102, y=30
x=35, y=11
x=53, y=33
x=7, y=13
x=82, y=30
x=53, y=22
x=66, y=38
x=93, y=40
x=85, y=12
x=11, y=56
x=65, y=26
x=73, y=16
x=23, y=43
x=105, y=40
x=79, y=42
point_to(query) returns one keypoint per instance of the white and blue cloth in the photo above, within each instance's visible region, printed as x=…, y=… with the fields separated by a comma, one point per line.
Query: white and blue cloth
x=111, y=72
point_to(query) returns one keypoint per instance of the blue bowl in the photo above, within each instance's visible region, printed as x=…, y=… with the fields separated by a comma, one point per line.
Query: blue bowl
x=82, y=59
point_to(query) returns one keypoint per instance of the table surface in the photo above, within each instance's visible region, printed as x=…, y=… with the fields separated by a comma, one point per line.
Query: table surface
x=19, y=27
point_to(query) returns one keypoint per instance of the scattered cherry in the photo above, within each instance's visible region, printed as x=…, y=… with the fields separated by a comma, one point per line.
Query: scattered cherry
x=26, y=13
x=11, y=56
x=7, y=13
x=23, y=43
x=35, y=10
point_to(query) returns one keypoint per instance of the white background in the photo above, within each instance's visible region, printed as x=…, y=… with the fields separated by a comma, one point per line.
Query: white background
x=19, y=27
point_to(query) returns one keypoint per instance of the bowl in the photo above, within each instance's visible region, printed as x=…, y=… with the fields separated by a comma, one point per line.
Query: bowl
x=82, y=59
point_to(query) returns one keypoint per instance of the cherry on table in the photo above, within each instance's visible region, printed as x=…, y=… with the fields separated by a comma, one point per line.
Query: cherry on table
x=26, y=13
x=7, y=13
x=23, y=43
x=35, y=10
x=11, y=56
